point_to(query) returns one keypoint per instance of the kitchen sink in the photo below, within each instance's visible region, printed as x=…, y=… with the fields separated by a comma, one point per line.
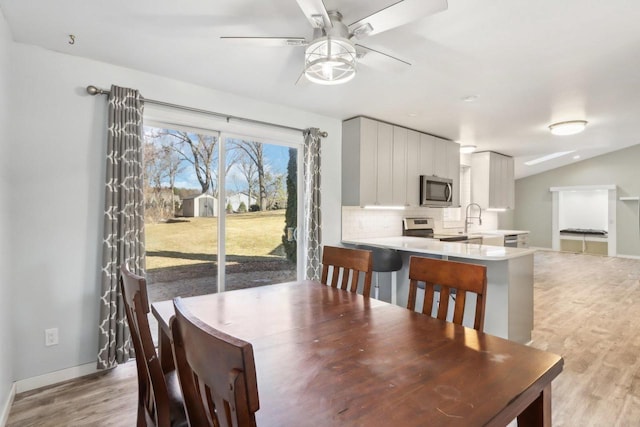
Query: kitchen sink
x=457, y=238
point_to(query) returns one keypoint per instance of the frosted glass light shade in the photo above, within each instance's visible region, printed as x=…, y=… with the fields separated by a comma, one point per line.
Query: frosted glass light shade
x=330, y=60
x=568, y=128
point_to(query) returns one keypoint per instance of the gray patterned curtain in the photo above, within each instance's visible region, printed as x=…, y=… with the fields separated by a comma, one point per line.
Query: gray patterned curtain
x=123, y=221
x=312, y=217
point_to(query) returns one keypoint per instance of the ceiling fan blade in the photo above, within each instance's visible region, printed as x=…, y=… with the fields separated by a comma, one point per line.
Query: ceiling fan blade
x=395, y=15
x=268, y=41
x=302, y=80
x=380, y=60
x=316, y=13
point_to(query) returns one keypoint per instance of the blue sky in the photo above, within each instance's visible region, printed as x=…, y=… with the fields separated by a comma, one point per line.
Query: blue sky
x=276, y=156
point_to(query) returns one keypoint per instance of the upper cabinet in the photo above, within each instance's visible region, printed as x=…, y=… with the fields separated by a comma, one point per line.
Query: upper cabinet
x=382, y=163
x=492, y=180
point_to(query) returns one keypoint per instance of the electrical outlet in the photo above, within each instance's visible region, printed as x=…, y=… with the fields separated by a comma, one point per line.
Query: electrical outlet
x=51, y=337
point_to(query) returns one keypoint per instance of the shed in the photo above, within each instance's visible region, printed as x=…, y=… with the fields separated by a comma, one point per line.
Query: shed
x=200, y=205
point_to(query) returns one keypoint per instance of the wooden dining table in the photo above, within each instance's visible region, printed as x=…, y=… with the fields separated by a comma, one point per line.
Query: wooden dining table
x=327, y=357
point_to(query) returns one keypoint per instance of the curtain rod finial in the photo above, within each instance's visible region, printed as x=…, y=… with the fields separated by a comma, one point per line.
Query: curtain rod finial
x=324, y=134
x=92, y=90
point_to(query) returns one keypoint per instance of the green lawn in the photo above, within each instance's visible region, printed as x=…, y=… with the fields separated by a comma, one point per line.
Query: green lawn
x=253, y=236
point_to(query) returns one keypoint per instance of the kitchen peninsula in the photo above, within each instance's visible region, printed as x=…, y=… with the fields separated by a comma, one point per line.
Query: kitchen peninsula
x=509, y=301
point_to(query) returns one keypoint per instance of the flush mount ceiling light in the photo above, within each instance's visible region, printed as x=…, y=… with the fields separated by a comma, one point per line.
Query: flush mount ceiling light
x=568, y=128
x=470, y=98
x=466, y=149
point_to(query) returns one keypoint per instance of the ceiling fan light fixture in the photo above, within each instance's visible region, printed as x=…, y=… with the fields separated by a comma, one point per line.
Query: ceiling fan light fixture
x=330, y=60
x=570, y=127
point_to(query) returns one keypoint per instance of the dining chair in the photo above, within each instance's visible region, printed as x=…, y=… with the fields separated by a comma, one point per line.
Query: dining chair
x=450, y=278
x=351, y=262
x=160, y=401
x=217, y=372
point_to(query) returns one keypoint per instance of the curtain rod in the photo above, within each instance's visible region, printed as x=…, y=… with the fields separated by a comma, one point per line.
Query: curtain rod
x=92, y=90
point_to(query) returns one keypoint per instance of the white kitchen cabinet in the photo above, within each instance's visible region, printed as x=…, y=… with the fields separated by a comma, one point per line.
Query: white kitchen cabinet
x=452, y=159
x=427, y=154
x=385, y=172
x=441, y=158
x=492, y=180
x=413, y=169
x=399, y=180
x=382, y=163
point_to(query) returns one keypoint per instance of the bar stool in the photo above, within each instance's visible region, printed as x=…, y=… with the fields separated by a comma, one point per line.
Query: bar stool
x=384, y=261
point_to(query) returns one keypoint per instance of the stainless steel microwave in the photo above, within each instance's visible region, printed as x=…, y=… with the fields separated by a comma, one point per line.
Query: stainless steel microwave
x=435, y=191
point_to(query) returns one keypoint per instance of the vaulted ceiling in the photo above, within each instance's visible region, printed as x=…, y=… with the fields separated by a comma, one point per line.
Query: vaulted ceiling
x=492, y=73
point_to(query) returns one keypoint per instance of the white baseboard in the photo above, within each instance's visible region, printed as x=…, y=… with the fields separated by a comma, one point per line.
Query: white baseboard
x=55, y=377
x=4, y=415
x=629, y=256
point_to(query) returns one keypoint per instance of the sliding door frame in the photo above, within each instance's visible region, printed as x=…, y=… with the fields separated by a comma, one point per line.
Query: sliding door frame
x=250, y=133
x=222, y=154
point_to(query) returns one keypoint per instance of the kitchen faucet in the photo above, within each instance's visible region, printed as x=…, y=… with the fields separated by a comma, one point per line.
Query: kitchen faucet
x=467, y=218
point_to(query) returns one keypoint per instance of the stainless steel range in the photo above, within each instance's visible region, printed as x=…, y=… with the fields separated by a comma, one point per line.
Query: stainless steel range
x=417, y=227
x=423, y=227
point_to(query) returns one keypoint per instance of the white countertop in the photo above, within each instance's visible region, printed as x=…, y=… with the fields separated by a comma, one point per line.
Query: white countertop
x=436, y=247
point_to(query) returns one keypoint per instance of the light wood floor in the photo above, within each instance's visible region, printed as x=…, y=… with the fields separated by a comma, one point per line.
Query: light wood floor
x=587, y=309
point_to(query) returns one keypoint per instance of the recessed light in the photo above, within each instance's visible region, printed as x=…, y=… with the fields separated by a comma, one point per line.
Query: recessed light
x=469, y=98
x=570, y=127
x=466, y=149
x=576, y=157
x=413, y=114
x=547, y=157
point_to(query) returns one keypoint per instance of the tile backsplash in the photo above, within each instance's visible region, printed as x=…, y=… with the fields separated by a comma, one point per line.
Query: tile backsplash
x=360, y=223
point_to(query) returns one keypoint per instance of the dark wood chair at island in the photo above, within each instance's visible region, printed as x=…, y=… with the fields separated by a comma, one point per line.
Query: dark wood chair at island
x=160, y=401
x=448, y=277
x=217, y=372
x=351, y=262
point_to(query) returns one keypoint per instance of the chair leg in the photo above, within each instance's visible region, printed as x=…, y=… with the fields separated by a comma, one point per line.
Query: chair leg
x=376, y=291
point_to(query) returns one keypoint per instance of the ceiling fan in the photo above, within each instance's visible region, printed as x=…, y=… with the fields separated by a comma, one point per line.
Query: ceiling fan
x=331, y=56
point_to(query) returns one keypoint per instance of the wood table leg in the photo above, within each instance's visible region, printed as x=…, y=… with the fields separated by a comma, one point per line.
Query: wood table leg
x=164, y=351
x=539, y=412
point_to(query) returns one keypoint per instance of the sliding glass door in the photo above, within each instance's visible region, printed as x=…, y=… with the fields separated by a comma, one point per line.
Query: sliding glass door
x=221, y=211
x=261, y=212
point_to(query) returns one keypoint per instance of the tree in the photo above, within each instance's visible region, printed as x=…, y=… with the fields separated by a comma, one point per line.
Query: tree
x=291, y=214
x=254, y=150
x=161, y=166
x=249, y=171
x=199, y=150
x=276, y=190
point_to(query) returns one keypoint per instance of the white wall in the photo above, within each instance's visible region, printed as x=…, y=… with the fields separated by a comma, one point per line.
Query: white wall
x=6, y=375
x=58, y=139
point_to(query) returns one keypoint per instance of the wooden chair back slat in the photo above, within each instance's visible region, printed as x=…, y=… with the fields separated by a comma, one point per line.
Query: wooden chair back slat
x=355, y=277
x=462, y=277
x=335, y=276
x=351, y=262
x=217, y=373
x=153, y=396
